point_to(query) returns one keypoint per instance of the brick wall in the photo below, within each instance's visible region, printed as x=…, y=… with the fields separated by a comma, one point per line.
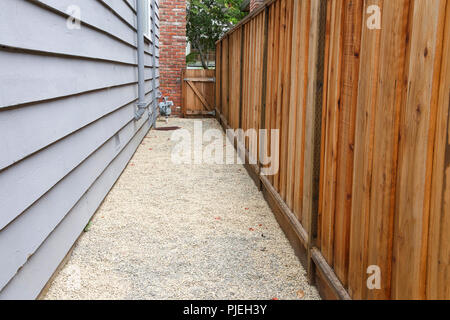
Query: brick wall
x=254, y=4
x=173, y=49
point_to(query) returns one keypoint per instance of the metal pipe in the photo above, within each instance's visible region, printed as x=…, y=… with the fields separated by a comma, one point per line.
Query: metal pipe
x=140, y=55
x=154, y=95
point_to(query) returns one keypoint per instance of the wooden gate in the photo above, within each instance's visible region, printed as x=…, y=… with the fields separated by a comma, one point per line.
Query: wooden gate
x=198, y=92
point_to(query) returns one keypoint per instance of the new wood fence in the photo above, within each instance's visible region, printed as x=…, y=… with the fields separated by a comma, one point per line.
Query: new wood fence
x=198, y=92
x=363, y=116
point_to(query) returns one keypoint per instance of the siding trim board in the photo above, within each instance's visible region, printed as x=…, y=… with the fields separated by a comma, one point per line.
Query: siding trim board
x=47, y=77
x=115, y=6
x=59, y=7
x=32, y=103
x=132, y=5
x=12, y=49
x=67, y=115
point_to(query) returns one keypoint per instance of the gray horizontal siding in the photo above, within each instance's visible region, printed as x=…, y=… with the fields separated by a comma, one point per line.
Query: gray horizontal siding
x=28, y=77
x=28, y=283
x=131, y=3
x=52, y=36
x=67, y=124
x=95, y=16
x=122, y=10
x=25, y=182
x=18, y=126
x=14, y=247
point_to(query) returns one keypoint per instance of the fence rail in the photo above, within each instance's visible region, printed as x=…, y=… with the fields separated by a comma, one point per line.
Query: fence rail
x=363, y=115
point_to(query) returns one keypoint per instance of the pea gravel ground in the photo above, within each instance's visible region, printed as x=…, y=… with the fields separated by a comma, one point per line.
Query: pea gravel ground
x=168, y=231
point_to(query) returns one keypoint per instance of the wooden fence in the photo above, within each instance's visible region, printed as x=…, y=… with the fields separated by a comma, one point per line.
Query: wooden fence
x=363, y=116
x=198, y=92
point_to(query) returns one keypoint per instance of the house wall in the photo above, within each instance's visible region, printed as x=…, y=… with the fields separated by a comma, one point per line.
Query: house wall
x=173, y=53
x=67, y=105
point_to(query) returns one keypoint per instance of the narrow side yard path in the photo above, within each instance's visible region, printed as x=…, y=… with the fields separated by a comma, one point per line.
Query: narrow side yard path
x=170, y=231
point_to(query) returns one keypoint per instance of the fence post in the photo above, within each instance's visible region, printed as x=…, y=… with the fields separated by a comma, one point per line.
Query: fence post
x=314, y=126
x=262, y=142
x=227, y=116
x=221, y=81
x=217, y=82
x=241, y=91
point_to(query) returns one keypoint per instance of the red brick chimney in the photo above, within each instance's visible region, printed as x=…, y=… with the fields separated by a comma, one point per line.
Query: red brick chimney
x=173, y=49
x=254, y=4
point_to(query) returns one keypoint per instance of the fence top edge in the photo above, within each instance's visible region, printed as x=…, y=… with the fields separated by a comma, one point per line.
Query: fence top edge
x=248, y=18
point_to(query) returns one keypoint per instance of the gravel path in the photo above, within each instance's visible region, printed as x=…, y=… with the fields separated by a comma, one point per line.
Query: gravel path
x=170, y=231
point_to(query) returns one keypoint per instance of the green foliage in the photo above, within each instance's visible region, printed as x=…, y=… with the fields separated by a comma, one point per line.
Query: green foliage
x=208, y=20
x=88, y=227
x=191, y=58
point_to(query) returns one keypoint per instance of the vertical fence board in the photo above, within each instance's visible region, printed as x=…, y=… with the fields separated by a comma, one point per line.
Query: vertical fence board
x=298, y=97
x=351, y=33
x=385, y=146
x=274, y=75
x=438, y=271
x=225, y=75
x=235, y=72
x=409, y=267
x=279, y=96
x=362, y=172
x=326, y=60
x=312, y=123
x=333, y=98
x=218, y=97
x=246, y=76
x=285, y=96
x=293, y=105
